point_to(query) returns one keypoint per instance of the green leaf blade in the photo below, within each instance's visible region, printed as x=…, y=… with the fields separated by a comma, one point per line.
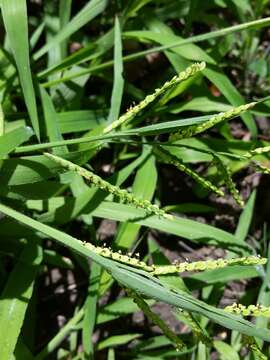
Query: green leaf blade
x=15, y=20
x=15, y=298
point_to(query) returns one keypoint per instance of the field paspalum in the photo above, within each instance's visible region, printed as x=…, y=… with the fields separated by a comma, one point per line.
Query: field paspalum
x=122, y=194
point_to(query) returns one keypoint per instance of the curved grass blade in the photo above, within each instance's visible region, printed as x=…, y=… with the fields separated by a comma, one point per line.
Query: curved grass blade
x=185, y=228
x=188, y=229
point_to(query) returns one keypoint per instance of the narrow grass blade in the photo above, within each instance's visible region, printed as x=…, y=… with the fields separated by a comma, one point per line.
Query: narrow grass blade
x=36, y=35
x=143, y=187
x=118, y=82
x=64, y=17
x=245, y=218
x=15, y=20
x=224, y=84
x=193, y=39
x=186, y=228
x=84, y=16
x=111, y=354
x=52, y=125
x=162, y=128
x=15, y=298
x=90, y=310
x=264, y=294
x=2, y=121
x=60, y=336
x=117, y=340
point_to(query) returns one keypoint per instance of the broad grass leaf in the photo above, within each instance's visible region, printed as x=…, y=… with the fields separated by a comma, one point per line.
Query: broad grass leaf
x=185, y=228
x=82, y=120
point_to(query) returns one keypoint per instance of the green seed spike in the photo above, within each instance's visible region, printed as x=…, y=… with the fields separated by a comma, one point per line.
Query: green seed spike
x=172, y=269
x=119, y=257
x=122, y=194
x=179, y=345
x=251, y=310
x=261, y=168
x=227, y=176
x=257, y=151
x=133, y=111
x=214, y=120
x=173, y=160
x=207, y=265
x=196, y=328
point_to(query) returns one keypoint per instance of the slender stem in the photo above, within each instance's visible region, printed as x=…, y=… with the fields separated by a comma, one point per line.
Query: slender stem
x=60, y=336
x=193, y=39
x=178, y=343
x=29, y=148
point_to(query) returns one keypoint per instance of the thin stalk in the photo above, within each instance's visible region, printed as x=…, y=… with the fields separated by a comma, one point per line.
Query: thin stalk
x=60, y=336
x=193, y=39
